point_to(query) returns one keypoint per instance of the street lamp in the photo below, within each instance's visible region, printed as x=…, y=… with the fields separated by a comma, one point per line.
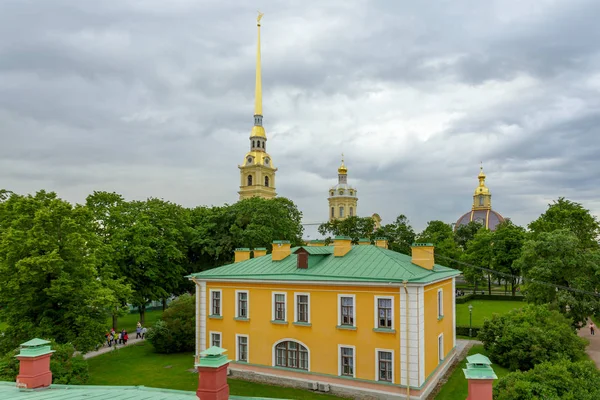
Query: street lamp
x=470, y=320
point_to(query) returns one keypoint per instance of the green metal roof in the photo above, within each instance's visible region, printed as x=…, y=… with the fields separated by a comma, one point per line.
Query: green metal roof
x=35, y=342
x=360, y=264
x=479, y=359
x=316, y=250
x=8, y=390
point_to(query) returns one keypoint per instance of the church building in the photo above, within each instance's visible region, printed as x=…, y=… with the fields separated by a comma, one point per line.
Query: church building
x=342, y=197
x=257, y=172
x=481, y=211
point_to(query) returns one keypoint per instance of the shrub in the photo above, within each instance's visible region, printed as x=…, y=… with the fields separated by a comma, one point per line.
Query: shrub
x=464, y=331
x=175, y=331
x=66, y=368
x=561, y=380
x=530, y=335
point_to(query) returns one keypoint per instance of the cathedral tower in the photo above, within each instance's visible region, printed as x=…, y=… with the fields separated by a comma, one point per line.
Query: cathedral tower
x=481, y=210
x=342, y=197
x=257, y=172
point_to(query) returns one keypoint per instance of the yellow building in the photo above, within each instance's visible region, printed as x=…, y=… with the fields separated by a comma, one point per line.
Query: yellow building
x=257, y=172
x=481, y=211
x=343, y=199
x=353, y=320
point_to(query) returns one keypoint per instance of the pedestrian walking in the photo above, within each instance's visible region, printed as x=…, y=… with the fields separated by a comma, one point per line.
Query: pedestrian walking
x=138, y=332
x=125, y=337
x=592, y=328
x=143, y=332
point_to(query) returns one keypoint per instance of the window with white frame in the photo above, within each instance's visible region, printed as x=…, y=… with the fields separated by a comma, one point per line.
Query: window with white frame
x=347, y=360
x=242, y=304
x=385, y=365
x=215, y=302
x=302, y=310
x=291, y=354
x=279, y=306
x=215, y=339
x=384, y=312
x=242, y=348
x=441, y=347
x=347, y=310
x=440, y=303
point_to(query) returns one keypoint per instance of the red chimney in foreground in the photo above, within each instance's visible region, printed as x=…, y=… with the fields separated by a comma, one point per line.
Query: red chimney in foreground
x=480, y=375
x=34, y=364
x=212, y=374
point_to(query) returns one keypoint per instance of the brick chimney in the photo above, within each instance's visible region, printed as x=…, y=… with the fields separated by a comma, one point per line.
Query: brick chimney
x=242, y=254
x=34, y=364
x=260, y=251
x=341, y=246
x=480, y=376
x=422, y=255
x=381, y=242
x=212, y=374
x=281, y=249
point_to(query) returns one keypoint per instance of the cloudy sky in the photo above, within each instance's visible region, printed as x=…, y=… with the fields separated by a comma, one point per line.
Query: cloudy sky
x=154, y=98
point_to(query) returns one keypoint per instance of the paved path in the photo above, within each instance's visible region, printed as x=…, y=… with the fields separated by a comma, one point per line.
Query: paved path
x=106, y=349
x=593, y=349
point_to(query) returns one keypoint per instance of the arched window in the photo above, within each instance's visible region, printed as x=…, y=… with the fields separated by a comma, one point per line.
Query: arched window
x=266, y=181
x=351, y=211
x=263, y=145
x=290, y=354
x=341, y=212
x=253, y=144
x=249, y=180
x=480, y=200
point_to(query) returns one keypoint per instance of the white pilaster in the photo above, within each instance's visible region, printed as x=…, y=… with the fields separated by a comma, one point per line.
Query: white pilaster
x=453, y=312
x=412, y=333
x=201, y=313
x=421, y=299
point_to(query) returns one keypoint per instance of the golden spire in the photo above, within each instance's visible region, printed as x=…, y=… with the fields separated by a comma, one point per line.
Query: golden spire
x=258, y=89
x=342, y=169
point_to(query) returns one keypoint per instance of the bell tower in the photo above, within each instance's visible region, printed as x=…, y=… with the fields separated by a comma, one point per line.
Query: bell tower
x=482, y=198
x=257, y=172
x=343, y=198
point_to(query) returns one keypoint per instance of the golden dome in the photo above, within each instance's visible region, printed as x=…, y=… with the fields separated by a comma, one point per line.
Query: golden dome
x=258, y=131
x=342, y=169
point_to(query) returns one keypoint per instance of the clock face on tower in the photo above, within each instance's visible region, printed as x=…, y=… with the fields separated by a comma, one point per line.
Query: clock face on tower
x=267, y=161
x=249, y=160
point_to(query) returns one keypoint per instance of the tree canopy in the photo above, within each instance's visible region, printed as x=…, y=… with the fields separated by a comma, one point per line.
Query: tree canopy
x=525, y=337
x=353, y=227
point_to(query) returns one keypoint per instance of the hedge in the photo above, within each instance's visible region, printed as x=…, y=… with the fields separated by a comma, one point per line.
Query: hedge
x=469, y=297
x=464, y=331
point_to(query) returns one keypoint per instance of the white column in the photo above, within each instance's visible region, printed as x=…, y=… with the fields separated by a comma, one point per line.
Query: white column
x=200, y=317
x=421, y=299
x=453, y=312
x=413, y=336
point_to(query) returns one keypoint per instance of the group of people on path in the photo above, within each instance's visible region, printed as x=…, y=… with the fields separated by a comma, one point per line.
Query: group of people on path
x=122, y=337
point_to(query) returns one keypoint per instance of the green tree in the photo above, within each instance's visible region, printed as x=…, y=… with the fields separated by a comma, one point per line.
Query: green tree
x=508, y=240
x=51, y=284
x=557, y=258
x=442, y=236
x=400, y=235
x=109, y=223
x=525, y=337
x=353, y=227
x=465, y=233
x=479, y=253
x=565, y=214
x=561, y=380
x=175, y=332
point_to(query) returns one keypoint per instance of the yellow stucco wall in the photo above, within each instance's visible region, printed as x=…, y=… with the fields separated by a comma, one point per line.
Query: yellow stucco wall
x=346, y=202
x=322, y=338
x=434, y=326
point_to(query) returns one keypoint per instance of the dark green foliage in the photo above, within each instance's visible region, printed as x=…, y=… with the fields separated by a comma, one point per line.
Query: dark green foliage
x=66, y=368
x=464, y=331
x=465, y=233
x=51, y=282
x=563, y=380
x=558, y=257
x=353, y=227
x=529, y=336
x=175, y=332
x=400, y=235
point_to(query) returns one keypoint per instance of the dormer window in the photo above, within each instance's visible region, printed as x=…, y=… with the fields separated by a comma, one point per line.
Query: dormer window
x=267, y=161
x=351, y=193
x=302, y=259
x=249, y=160
x=341, y=192
x=331, y=193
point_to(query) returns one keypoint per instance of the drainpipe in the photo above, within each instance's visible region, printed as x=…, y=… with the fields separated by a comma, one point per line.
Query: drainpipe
x=407, y=348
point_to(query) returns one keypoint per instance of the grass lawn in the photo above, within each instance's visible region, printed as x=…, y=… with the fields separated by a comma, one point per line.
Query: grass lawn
x=456, y=387
x=483, y=309
x=129, y=321
x=139, y=365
